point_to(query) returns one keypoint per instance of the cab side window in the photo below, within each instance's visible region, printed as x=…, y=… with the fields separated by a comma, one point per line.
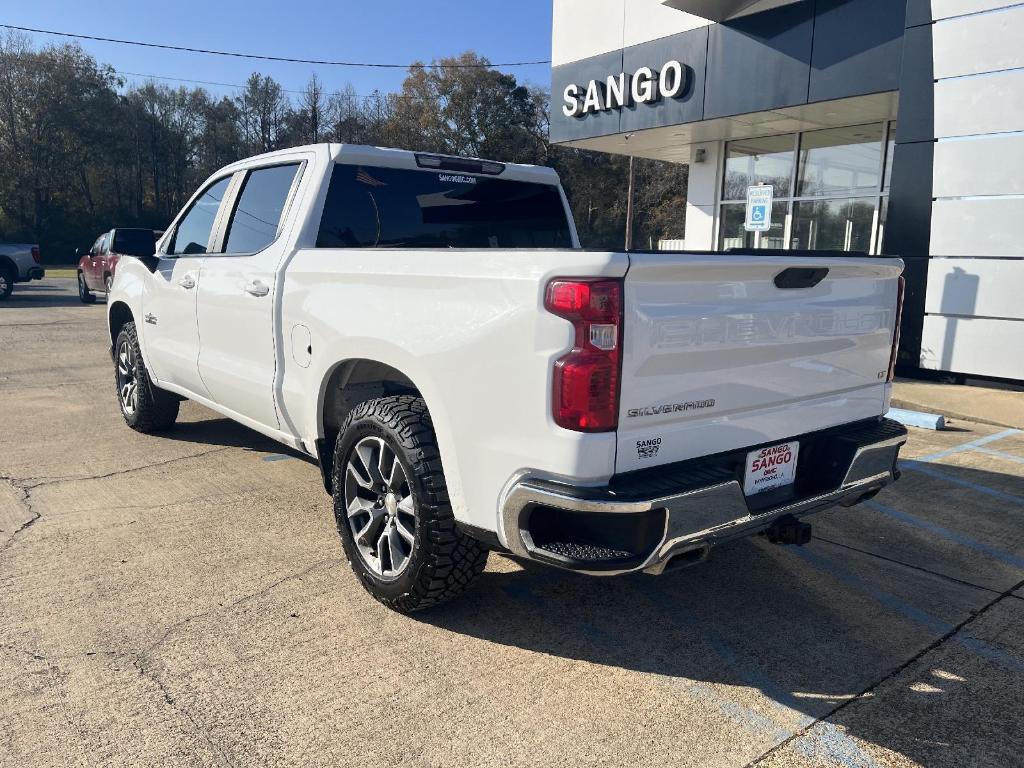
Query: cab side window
x=260, y=205
x=193, y=233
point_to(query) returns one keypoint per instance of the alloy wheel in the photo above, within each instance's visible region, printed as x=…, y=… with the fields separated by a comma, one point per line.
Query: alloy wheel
x=380, y=507
x=127, y=378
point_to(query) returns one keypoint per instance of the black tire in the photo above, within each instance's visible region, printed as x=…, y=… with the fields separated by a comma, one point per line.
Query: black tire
x=443, y=561
x=84, y=294
x=6, y=282
x=152, y=409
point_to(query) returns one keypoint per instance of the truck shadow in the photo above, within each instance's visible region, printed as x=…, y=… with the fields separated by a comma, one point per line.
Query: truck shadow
x=809, y=628
x=56, y=292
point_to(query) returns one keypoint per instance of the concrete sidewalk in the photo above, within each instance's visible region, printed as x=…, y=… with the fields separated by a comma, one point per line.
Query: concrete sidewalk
x=1000, y=407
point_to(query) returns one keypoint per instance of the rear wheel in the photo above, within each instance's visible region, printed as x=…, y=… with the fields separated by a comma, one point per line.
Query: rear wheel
x=145, y=407
x=392, y=510
x=6, y=282
x=84, y=293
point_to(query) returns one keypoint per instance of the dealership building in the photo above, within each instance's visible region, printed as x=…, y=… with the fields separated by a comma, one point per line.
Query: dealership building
x=893, y=127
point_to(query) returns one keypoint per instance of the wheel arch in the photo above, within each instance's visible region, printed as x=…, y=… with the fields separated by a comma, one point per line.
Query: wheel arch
x=118, y=315
x=6, y=262
x=347, y=384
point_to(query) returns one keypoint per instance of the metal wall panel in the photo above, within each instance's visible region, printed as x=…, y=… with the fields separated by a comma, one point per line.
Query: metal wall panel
x=969, y=106
x=977, y=227
x=857, y=48
x=973, y=345
x=987, y=42
x=944, y=9
x=991, y=165
x=982, y=287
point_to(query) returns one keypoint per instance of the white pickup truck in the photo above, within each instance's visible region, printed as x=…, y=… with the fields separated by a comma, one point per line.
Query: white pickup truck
x=469, y=379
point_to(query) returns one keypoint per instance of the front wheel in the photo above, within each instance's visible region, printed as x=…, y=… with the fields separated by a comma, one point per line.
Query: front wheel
x=84, y=294
x=392, y=510
x=144, y=406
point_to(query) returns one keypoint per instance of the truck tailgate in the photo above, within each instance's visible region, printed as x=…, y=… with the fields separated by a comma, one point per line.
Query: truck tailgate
x=720, y=352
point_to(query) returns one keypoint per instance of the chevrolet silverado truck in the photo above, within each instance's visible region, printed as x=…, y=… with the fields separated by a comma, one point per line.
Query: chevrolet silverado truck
x=469, y=379
x=19, y=263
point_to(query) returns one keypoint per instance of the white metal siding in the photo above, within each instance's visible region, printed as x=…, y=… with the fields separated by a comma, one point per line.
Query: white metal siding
x=991, y=165
x=973, y=345
x=974, y=319
x=983, y=287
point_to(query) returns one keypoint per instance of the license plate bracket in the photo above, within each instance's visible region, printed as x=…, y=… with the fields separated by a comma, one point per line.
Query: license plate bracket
x=771, y=467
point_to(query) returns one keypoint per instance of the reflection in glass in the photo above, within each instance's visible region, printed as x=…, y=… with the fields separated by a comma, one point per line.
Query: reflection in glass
x=758, y=161
x=841, y=161
x=732, y=234
x=833, y=225
x=193, y=233
x=890, y=148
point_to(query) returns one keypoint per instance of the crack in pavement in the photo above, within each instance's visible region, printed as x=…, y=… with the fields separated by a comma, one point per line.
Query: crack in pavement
x=39, y=481
x=934, y=645
x=26, y=501
x=143, y=660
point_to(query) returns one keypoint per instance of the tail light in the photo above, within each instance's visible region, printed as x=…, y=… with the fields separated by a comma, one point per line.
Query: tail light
x=585, y=396
x=900, y=292
x=35, y=253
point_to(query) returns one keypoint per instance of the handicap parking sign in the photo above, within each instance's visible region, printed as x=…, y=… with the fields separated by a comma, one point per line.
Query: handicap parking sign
x=759, y=205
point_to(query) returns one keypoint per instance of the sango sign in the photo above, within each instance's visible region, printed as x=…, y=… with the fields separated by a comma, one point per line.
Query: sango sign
x=645, y=86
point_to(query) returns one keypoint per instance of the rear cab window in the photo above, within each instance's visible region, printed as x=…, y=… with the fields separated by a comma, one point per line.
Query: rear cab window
x=375, y=207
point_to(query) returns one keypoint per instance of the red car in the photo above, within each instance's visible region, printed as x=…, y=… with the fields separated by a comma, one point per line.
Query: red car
x=96, y=268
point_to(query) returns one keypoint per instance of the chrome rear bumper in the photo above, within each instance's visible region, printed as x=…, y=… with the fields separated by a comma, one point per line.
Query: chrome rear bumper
x=691, y=521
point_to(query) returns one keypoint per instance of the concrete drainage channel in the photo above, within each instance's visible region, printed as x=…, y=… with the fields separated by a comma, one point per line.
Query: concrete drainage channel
x=184, y=600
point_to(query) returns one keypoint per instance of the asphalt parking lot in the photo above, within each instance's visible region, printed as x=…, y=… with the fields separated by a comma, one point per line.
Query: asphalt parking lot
x=183, y=600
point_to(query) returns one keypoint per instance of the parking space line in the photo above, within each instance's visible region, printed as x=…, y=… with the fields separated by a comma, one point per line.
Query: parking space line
x=930, y=470
x=1001, y=454
x=968, y=446
x=946, y=533
x=836, y=744
x=941, y=627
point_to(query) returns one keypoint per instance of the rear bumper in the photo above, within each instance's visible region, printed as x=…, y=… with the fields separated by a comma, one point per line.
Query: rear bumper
x=644, y=520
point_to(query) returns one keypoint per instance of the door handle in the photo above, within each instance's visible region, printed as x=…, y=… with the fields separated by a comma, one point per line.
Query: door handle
x=257, y=288
x=187, y=282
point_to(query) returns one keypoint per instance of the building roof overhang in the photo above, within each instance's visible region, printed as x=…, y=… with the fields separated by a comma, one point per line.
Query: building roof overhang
x=723, y=10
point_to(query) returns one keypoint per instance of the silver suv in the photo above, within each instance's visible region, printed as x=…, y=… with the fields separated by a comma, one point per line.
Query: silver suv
x=19, y=263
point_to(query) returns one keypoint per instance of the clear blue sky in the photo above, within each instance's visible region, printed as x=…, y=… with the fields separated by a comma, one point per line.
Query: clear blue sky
x=350, y=30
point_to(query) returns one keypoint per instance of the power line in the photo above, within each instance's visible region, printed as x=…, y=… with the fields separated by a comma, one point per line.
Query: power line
x=243, y=87
x=265, y=57
x=27, y=59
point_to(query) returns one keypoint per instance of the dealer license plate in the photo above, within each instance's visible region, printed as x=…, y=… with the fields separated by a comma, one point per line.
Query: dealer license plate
x=770, y=467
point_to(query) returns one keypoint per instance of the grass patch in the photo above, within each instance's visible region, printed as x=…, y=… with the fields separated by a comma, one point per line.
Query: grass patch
x=61, y=272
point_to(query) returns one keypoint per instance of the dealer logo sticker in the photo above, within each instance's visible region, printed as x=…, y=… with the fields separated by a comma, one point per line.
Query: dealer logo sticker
x=648, y=449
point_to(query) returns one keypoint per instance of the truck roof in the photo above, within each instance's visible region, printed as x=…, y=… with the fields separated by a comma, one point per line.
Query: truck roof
x=403, y=158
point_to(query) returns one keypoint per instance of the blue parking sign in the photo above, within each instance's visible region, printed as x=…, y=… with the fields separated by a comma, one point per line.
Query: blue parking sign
x=759, y=206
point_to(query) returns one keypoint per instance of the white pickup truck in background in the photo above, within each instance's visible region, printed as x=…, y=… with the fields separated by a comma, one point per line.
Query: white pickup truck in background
x=19, y=263
x=469, y=379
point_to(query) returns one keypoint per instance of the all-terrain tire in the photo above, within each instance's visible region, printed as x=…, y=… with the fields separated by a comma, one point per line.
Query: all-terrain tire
x=152, y=409
x=6, y=282
x=443, y=561
x=84, y=294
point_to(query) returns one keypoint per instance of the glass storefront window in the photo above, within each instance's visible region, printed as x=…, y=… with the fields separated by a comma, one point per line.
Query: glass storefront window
x=833, y=225
x=758, y=161
x=732, y=234
x=890, y=148
x=841, y=161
